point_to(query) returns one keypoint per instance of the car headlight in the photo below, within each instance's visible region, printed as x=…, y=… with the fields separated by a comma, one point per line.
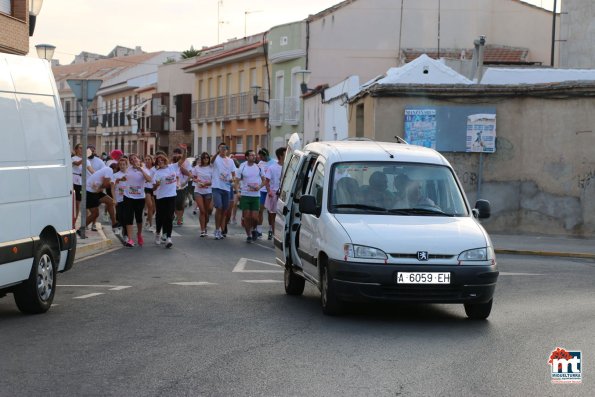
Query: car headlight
x=363, y=252
x=477, y=255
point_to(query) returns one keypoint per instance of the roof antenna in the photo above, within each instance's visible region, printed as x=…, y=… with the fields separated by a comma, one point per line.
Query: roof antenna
x=361, y=138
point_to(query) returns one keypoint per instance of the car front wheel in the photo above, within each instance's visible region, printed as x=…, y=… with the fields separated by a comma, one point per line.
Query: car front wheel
x=478, y=311
x=331, y=305
x=36, y=294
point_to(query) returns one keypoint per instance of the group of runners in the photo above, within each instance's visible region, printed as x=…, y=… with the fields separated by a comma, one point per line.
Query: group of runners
x=152, y=192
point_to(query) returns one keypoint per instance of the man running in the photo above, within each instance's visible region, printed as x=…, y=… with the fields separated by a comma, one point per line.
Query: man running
x=251, y=180
x=223, y=177
x=273, y=181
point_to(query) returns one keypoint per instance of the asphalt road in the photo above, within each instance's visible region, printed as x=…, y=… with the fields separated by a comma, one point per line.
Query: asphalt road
x=152, y=322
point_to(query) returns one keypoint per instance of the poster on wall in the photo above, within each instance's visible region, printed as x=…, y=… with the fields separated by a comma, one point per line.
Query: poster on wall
x=420, y=127
x=481, y=133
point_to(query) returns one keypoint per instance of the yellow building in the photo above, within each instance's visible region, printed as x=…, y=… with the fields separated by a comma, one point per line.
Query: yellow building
x=224, y=108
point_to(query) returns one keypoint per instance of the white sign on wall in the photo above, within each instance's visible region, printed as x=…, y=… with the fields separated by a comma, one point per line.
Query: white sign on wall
x=481, y=133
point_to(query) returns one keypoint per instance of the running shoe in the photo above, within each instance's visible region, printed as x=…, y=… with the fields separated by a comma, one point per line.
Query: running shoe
x=249, y=239
x=163, y=237
x=168, y=243
x=218, y=235
x=259, y=234
x=270, y=235
x=194, y=211
x=157, y=239
x=94, y=227
x=254, y=235
x=129, y=243
x=203, y=233
x=140, y=239
x=179, y=222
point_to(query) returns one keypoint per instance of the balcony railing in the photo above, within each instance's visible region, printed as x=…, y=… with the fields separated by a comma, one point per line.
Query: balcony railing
x=292, y=110
x=235, y=106
x=276, y=112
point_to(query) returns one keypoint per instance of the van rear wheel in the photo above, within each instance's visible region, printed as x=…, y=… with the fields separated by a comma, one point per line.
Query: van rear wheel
x=478, y=311
x=294, y=284
x=36, y=294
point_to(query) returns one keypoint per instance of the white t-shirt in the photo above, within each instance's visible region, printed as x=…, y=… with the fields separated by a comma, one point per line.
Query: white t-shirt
x=264, y=166
x=273, y=174
x=135, y=184
x=77, y=171
x=250, y=180
x=95, y=181
x=120, y=187
x=96, y=163
x=202, y=175
x=167, y=179
x=222, y=169
x=150, y=172
x=182, y=179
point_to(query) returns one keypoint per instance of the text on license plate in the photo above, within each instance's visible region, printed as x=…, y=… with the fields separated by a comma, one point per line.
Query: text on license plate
x=422, y=278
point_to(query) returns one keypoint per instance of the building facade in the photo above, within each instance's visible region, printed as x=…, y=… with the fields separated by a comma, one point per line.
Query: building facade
x=577, y=31
x=14, y=26
x=223, y=109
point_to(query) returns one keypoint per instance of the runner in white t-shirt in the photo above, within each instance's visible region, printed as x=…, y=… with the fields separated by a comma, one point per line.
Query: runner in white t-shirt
x=118, y=189
x=202, y=175
x=134, y=199
x=165, y=181
x=77, y=178
x=251, y=180
x=273, y=182
x=96, y=184
x=149, y=197
x=223, y=177
x=264, y=162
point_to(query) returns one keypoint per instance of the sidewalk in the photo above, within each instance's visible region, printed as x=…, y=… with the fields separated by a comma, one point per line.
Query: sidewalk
x=571, y=247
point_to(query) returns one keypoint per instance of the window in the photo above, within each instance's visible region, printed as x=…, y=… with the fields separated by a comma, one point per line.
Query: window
x=6, y=7
x=79, y=112
x=67, y=111
x=317, y=185
x=241, y=78
x=359, y=121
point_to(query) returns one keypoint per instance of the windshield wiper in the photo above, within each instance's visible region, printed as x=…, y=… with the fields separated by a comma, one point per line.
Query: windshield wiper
x=418, y=211
x=360, y=207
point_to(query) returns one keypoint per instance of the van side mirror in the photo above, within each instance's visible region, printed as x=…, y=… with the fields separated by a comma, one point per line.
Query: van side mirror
x=308, y=204
x=482, y=209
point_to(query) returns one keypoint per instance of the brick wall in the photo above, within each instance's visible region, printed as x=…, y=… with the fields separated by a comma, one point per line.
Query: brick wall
x=14, y=29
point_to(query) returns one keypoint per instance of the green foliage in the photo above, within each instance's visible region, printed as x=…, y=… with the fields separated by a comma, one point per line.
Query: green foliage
x=191, y=53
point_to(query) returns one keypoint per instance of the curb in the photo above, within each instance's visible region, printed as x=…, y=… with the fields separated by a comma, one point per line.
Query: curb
x=86, y=249
x=582, y=255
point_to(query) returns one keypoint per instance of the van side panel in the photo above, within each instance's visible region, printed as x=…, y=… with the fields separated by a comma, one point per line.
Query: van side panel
x=14, y=272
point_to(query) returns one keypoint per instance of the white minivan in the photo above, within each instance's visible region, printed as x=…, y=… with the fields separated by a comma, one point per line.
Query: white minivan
x=377, y=221
x=37, y=240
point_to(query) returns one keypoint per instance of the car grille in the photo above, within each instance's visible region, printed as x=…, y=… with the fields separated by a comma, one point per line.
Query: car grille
x=425, y=293
x=414, y=256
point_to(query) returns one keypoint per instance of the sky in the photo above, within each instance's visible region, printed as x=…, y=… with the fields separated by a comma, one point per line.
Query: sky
x=98, y=26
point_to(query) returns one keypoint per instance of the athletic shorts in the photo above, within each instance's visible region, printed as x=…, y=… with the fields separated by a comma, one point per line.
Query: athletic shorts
x=180, y=199
x=221, y=198
x=271, y=203
x=148, y=190
x=263, y=197
x=206, y=196
x=248, y=203
x=77, y=192
x=93, y=199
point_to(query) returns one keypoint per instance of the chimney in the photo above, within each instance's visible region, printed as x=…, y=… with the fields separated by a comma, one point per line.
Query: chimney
x=477, y=62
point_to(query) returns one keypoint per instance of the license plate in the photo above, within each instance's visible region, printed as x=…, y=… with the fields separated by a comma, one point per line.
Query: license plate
x=422, y=278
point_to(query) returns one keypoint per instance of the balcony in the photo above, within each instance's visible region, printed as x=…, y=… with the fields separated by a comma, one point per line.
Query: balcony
x=229, y=107
x=276, y=112
x=291, y=110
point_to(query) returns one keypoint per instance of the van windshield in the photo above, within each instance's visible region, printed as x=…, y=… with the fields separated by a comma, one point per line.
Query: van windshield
x=396, y=189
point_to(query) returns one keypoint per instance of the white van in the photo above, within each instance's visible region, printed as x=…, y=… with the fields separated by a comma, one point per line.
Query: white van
x=378, y=221
x=37, y=239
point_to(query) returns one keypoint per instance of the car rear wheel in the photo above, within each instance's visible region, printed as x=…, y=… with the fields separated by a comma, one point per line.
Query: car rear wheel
x=294, y=284
x=36, y=294
x=331, y=305
x=478, y=311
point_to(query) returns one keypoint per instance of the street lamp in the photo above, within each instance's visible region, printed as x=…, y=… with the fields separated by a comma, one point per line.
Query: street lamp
x=45, y=51
x=305, y=76
x=34, y=8
x=255, y=91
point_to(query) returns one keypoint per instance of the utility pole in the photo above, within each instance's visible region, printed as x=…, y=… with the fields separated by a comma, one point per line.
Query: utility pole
x=553, y=31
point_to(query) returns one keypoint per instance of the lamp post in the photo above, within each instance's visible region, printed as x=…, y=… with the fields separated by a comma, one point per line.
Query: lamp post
x=45, y=51
x=34, y=8
x=305, y=76
x=255, y=91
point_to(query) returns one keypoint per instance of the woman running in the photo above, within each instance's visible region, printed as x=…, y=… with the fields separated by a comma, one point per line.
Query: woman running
x=118, y=189
x=203, y=175
x=134, y=199
x=149, y=197
x=164, y=185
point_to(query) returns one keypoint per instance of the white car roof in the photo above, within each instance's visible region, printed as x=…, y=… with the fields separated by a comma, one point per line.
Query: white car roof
x=367, y=150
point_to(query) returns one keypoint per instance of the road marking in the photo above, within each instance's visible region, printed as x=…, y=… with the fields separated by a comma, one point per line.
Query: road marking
x=264, y=246
x=240, y=267
x=193, y=283
x=98, y=254
x=111, y=287
x=519, y=274
x=261, y=281
x=89, y=295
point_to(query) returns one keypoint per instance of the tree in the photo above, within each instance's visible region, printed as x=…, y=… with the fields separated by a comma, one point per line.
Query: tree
x=191, y=53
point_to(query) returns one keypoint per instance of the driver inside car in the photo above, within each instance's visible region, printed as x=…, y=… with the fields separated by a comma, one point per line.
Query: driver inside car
x=416, y=197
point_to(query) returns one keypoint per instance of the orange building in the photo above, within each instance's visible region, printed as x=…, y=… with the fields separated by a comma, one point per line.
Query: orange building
x=223, y=109
x=17, y=22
